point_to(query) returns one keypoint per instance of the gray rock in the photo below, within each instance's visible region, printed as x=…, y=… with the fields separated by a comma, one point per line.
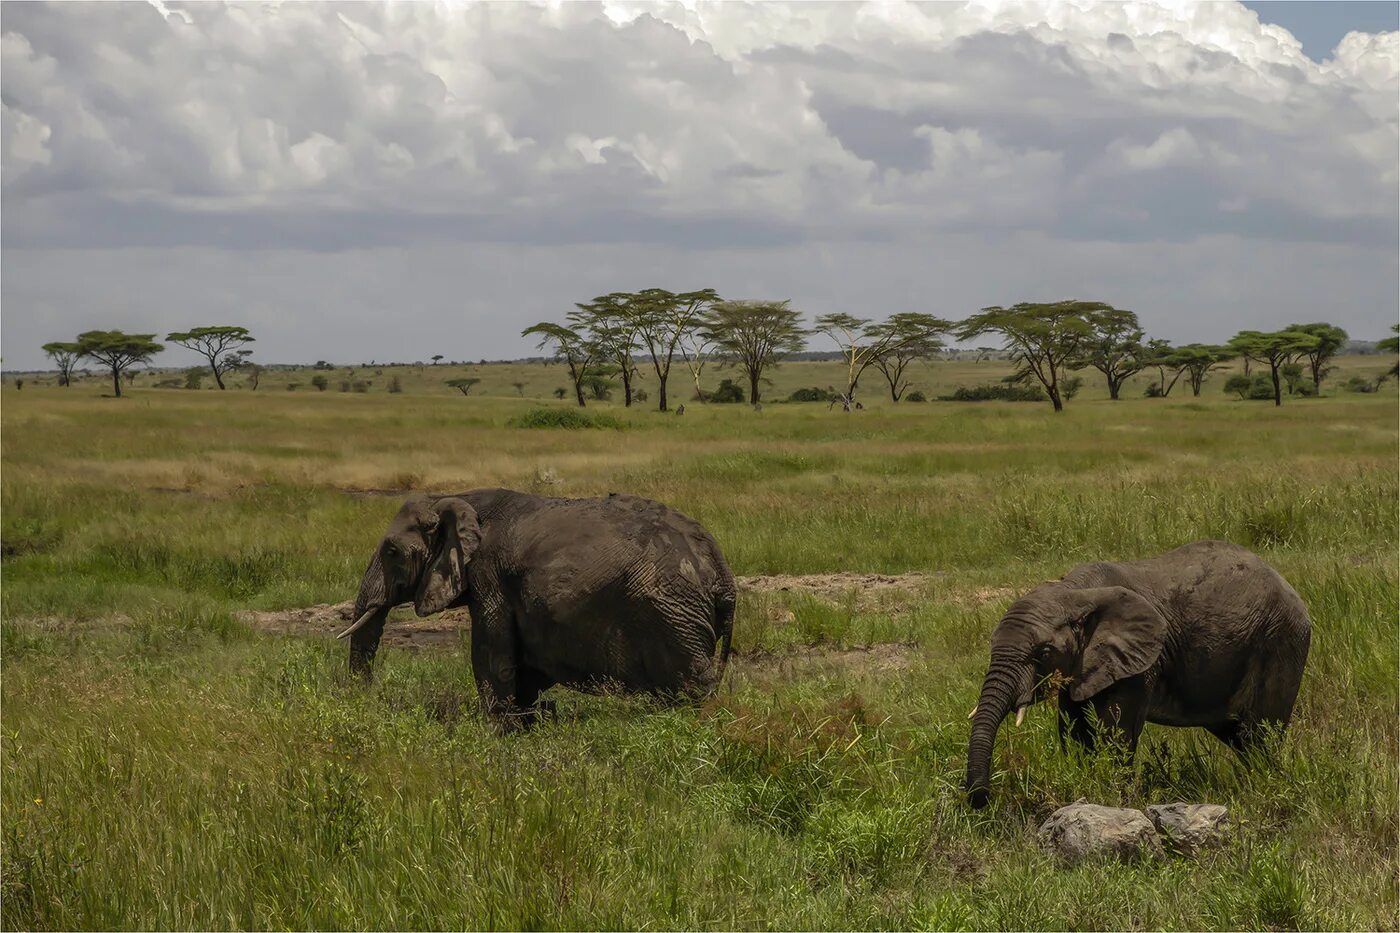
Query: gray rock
x=1190, y=827
x=1086, y=830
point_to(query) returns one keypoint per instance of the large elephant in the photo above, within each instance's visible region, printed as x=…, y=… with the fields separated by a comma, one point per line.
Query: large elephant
x=619, y=592
x=1206, y=635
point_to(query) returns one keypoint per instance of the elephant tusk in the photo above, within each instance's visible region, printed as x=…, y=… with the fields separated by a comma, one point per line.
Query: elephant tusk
x=1020, y=715
x=974, y=711
x=359, y=624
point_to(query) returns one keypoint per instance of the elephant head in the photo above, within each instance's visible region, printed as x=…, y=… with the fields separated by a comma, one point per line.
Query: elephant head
x=1090, y=638
x=423, y=559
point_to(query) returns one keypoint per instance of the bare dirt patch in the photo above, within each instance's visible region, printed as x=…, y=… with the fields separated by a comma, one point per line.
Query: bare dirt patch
x=880, y=658
x=330, y=619
x=869, y=589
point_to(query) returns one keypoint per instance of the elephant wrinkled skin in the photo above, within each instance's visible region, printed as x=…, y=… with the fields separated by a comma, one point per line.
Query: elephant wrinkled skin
x=617, y=592
x=1206, y=635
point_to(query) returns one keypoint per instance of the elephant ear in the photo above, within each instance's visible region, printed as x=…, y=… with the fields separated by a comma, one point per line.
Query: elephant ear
x=1125, y=637
x=455, y=539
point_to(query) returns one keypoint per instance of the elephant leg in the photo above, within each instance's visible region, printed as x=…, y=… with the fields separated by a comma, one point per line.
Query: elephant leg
x=1249, y=737
x=1122, y=712
x=529, y=685
x=496, y=670
x=1073, y=722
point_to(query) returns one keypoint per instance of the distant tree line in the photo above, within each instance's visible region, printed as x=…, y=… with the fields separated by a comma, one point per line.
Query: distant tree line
x=605, y=343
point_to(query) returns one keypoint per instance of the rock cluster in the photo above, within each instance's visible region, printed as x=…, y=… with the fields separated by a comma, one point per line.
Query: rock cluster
x=1086, y=830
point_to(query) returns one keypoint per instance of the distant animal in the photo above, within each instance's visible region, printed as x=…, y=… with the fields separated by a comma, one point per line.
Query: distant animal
x=680, y=409
x=1206, y=635
x=618, y=592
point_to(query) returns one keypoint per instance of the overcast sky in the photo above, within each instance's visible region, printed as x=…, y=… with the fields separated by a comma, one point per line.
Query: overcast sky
x=363, y=181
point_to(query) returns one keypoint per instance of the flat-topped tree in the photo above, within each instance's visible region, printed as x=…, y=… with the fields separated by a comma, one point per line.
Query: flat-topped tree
x=1196, y=360
x=663, y=320
x=863, y=343
x=1391, y=344
x=613, y=326
x=1275, y=348
x=118, y=351
x=1044, y=339
x=65, y=357
x=1330, y=340
x=754, y=334
x=1115, y=347
x=571, y=348
x=464, y=385
x=221, y=345
x=912, y=336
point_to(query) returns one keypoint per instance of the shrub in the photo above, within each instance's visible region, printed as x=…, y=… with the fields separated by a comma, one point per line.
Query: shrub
x=320, y=382
x=560, y=392
x=1071, y=386
x=996, y=393
x=1261, y=387
x=916, y=396
x=292, y=386
x=1153, y=391
x=395, y=385
x=571, y=419
x=194, y=377
x=727, y=392
x=359, y=386
x=345, y=386
x=640, y=395
x=813, y=394
x=1238, y=384
x=1360, y=384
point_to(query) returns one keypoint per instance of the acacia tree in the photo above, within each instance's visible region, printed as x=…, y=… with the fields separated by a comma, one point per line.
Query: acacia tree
x=1044, y=339
x=570, y=347
x=1275, y=348
x=663, y=319
x=613, y=326
x=1197, y=360
x=463, y=385
x=118, y=351
x=65, y=357
x=862, y=344
x=1391, y=344
x=1115, y=347
x=915, y=336
x=1330, y=340
x=1161, y=354
x=221, y=345
x=755, y=334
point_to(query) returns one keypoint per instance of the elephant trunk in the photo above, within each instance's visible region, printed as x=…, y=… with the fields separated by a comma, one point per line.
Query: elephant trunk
x=1006, y=681
x=372, y=605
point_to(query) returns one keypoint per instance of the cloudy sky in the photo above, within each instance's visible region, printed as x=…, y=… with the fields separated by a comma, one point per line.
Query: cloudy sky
x=392, y=181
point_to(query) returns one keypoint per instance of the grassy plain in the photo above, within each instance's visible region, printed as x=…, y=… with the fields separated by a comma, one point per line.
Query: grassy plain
x=166, y=766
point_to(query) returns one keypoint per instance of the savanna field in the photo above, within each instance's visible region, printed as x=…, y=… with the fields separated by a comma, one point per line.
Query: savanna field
x=168, y=764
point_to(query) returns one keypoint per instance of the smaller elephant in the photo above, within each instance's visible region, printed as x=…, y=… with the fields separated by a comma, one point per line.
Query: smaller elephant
x=618, y=592
x=1206, y=635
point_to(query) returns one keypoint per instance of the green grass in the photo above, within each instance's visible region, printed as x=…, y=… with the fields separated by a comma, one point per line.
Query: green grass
x=166, y=766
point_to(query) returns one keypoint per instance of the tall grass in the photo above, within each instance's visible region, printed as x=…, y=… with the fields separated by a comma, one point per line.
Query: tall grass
x=166, y=766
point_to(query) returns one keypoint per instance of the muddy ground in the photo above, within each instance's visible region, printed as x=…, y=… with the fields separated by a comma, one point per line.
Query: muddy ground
x=446, y=629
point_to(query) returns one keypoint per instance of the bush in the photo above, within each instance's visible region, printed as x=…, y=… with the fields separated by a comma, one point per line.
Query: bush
x=996, y=393
x=320, y=382
x=916, y=396
x=194, y=377
x=360, y=386
x=1071, y=386
x=1261, y=387
x=1238, y=384
x=571, y=419
x=395, y=385
x=728, y=392
x=345, y=386
x=1361, y=384
x=639, y=395
x=813, y=394
x=560, y=392
x=1153, y=391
